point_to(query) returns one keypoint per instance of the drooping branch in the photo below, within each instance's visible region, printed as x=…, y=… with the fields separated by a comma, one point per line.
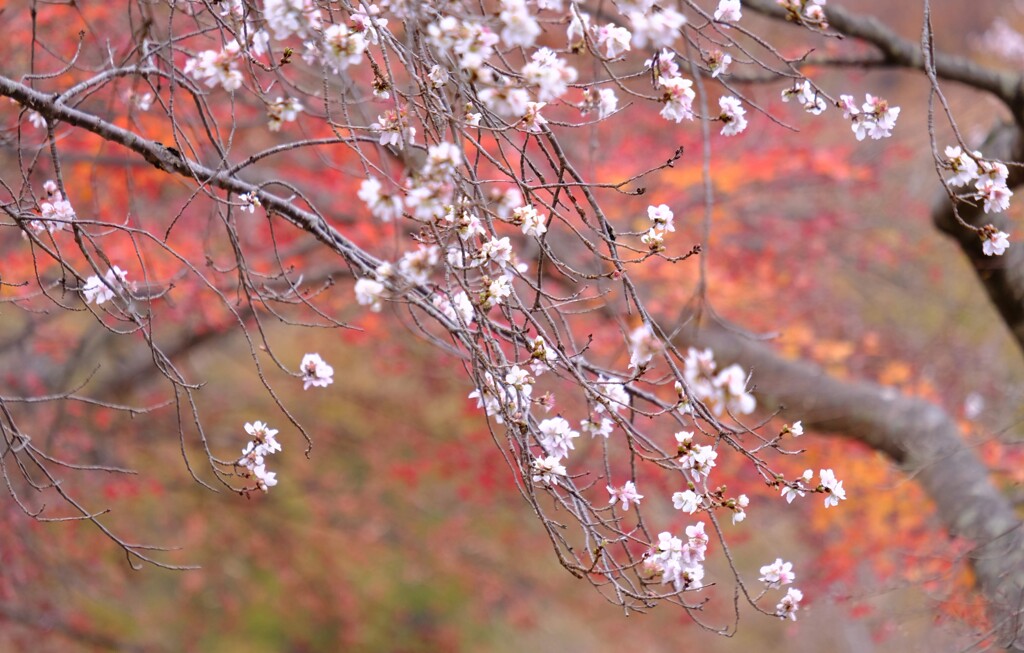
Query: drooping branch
x=918, y=436
x=1001, y=276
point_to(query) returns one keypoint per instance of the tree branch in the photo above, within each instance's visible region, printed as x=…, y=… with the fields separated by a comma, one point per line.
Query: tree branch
x=898, y=51
x=921, y=438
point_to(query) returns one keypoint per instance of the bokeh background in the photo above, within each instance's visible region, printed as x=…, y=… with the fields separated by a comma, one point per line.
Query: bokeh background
x=401, y=529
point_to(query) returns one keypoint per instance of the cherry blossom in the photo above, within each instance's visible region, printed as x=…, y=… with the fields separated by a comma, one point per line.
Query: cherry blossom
x=213, y=67
x=790, y=492
x=37, y=120
x=718, y=62
x=661, y=216
x=697, y=460
x=556, y=436
x=739, y=507
x=497, y=250
x=964, y=167
x=995, y=194
x=264, y=479
x=809, y=11
x=777, y=574
x=282, y=110
x=675, y=562
x=627, y=494
x=729, y=11
x=688, y=501
x=315, y=372
x=438, y=76
x=796, y=429
x=789, y=604
x=394, y=128
x=731, y=384
x=613, y=39
x=799, y=488
x=597, y=425
x=55, y=211
x=696, y=546
x=654, y=238
x=542, y=357
x=806, y=97
x=531, y=222
x=263, y=436
x=497, y=292
x=487, y=398
x=262, y=444
x=520, y=27
x=678, y=99
x=576, y=32
x=660, y=29
x=549, y=73
x=732, y=116
x=995, y=243
x=876, y=118
x=385, y=206
x=141, y=101
x=643, y=345
x=604, y=101
x=532, y=120
x=343, y=47
x=662, y=66
x=458, y=309
x=249, y=202
x=288, y=17
x=99, y=291
x=834, y=492
x=611, y=394
x=418, y=264
x=368, y=293
x=547, y=470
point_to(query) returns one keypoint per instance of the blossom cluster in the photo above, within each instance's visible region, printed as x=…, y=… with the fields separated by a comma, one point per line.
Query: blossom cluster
x=262, y=444
x=217, y=67
x=776, y=575
x=661, y=218
x=678, y=562
x=695, y=460
x=643, y=345
x=101, y=290
x=874, y=118
x=282, y=110
x=806, y=96
x=720, y=391
x=677, y=91
x=986, y=181
x=54, y=210
x=829, y=485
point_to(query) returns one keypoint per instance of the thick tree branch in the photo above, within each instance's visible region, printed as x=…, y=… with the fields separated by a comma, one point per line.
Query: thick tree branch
x=918, y=436
x=898, y=51
x=161, y=157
